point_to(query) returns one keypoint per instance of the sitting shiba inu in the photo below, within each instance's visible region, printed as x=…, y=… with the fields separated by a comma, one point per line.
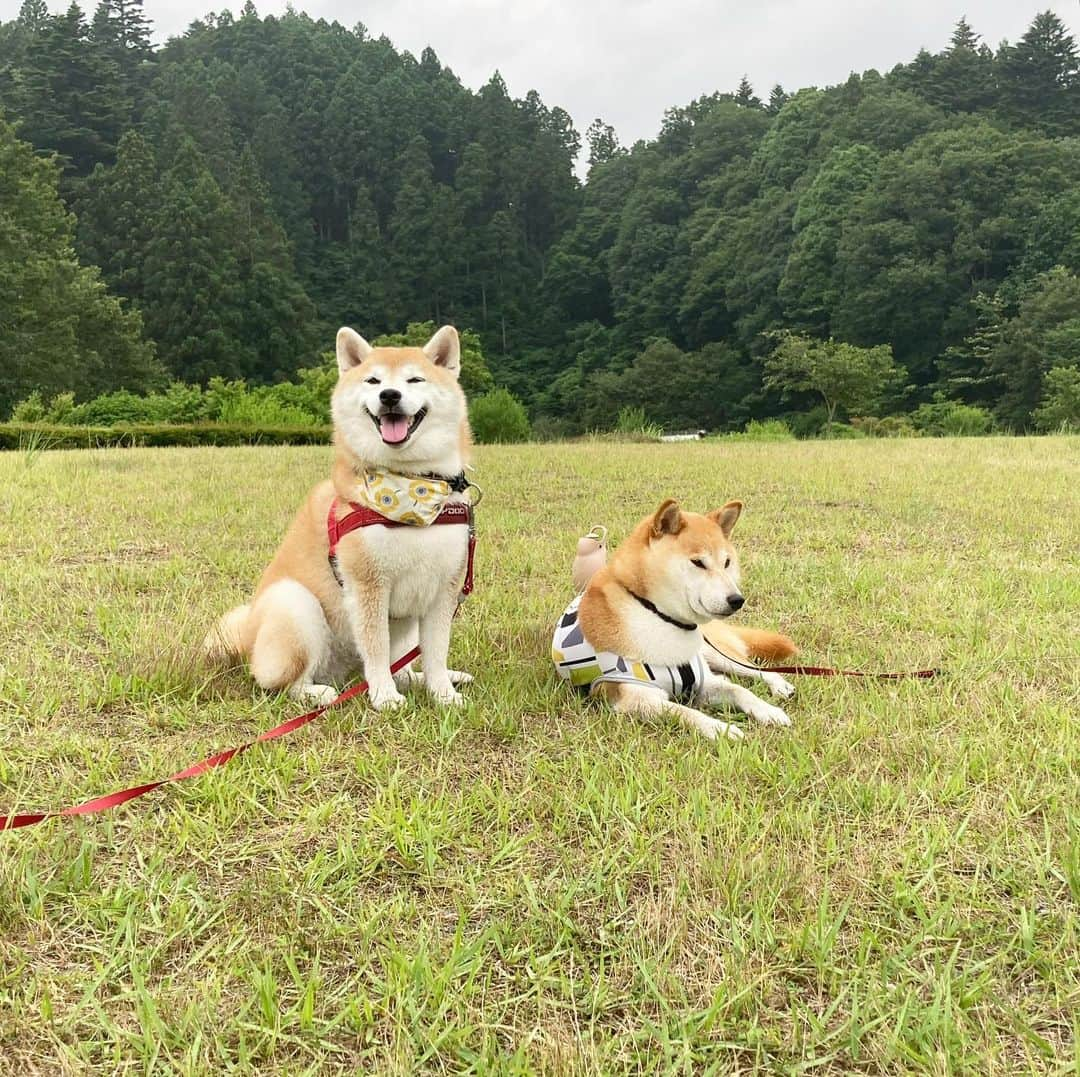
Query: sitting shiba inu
x=333, y=596
x=644, y=633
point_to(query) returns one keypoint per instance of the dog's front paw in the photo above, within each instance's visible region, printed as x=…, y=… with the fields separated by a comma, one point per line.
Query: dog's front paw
x=458, y=677
x=386, y=698
x=767, y=714
x=778, y=686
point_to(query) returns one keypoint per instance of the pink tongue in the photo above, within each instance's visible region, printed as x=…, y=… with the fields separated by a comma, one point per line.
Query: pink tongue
x=394, y=428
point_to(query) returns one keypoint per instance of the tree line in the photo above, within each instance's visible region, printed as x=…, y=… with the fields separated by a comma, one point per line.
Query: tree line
x=217, y=206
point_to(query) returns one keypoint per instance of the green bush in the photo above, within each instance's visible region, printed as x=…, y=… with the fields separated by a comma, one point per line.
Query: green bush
x=763, y=430
x=632, y=423
x=112, y=409
x=550, y=428
x=498, y=416
x=47, y=436
x=950, y=419
x=1060, y=410
x=840, y=432
x=891, y=426
x=807, y=424
x=30, y=410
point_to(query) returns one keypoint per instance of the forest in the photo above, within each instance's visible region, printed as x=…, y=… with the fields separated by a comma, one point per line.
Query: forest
x=210, y=210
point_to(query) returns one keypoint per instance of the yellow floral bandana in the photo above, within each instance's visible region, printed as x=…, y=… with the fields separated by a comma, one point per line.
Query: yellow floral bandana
x=403, y=498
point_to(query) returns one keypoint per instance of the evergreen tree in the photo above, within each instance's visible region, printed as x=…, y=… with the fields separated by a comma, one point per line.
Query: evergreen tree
x=963, y=79
x=70, y=97
x=1040, y=78
x=192, y=292
x=602, y=141
x=778, y=97
x=117, y=216
x=745, y=96
x=60, y=330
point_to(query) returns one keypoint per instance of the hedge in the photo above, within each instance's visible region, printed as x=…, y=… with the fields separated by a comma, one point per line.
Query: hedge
x=48, y=436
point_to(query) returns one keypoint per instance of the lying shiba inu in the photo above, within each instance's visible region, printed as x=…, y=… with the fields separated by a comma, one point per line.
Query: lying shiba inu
x=402, y=439
x=644, y=633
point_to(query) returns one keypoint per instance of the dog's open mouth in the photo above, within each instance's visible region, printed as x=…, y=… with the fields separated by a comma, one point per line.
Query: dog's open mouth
x=395, y=427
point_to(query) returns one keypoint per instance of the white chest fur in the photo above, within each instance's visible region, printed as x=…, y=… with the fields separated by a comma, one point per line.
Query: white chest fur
x=414, y=564
x=656, y=640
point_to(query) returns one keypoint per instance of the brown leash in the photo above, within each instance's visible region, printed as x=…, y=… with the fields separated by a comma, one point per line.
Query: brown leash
x=825, y=671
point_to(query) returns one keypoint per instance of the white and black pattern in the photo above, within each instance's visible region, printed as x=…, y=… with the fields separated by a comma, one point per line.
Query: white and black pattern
x=577, y=661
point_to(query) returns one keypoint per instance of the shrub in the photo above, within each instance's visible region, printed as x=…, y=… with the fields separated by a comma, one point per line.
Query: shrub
x=1060, y=410
x=21, y=435
x=807, y=424
x=30, y=410
x=632, y=423
x=498, y=416
x=948, y=418
x=61, y=408
x=111, y=409
x=891, y=426
x=763, y=430
x=550, y=428
x=840, y=431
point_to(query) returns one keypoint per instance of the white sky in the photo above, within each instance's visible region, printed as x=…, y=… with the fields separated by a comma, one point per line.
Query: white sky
x=628, y=60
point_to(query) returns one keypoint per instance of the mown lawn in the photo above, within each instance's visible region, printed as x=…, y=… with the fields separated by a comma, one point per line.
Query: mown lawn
x=535, y=884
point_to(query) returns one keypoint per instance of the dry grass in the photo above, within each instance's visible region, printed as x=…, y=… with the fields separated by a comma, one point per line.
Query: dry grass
x=535, y=884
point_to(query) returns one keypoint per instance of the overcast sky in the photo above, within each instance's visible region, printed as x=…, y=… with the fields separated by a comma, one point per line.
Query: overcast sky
x=628, y=60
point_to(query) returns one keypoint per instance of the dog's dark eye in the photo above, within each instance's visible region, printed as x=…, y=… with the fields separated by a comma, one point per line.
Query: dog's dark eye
x=372, y=380
x=414, y=381
x=727, y=563
x=697, y=562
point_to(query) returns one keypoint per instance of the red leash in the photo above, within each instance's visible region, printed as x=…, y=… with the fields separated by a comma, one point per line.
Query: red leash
x=360, y=517
x=112, y=800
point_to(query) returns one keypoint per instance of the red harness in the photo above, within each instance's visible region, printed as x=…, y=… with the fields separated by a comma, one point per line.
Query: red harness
x=457, y=512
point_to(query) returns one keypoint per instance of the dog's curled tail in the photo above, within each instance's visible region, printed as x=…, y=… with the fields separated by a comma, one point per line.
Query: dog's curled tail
x=771, y=646
x=227, y=639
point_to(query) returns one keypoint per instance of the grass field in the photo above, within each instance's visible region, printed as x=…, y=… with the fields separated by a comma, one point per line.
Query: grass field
x=535, y=884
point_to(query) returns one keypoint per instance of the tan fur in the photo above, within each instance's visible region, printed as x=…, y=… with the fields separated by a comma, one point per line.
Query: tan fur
x=683, y=563
x=300, y=621
x=749, y=642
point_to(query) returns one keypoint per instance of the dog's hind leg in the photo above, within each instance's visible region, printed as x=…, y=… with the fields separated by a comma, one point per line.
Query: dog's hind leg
x=292, y=643
x=651, y=702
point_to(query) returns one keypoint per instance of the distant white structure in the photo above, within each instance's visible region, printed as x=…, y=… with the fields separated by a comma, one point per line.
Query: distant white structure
x=697, y=435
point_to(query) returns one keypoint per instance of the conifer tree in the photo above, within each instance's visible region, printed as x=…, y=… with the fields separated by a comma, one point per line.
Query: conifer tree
x=1040, y=77
x=60, y=330
x=191, y=288
x=70, y=98
x=745, y=95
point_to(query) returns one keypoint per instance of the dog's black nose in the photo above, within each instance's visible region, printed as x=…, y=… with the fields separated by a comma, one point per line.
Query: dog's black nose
x=390, y=397
x=735, y=601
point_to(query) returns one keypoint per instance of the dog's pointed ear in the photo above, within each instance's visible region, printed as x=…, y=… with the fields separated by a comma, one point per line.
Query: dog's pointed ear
x=726, y=516
x=668, y=519
x=444, y=349
x=352, y=349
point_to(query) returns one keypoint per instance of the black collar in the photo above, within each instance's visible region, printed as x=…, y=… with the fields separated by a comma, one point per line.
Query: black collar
x=663, y=616
x=458, y=483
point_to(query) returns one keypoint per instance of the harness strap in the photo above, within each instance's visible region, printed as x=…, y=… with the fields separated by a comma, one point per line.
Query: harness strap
x=457, y=512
